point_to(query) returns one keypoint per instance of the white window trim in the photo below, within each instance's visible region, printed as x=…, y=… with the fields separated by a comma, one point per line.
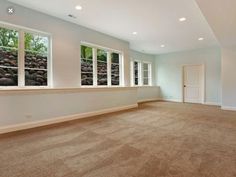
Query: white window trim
x=109, y=51
x=21, y=55
x=133, y=73
x=141, y=73
x=149, y=73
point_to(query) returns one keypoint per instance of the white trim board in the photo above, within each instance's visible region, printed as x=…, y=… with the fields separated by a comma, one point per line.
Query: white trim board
x=172, y=100
x=228, y=108
x=180, y=101
x=29, y=125
x=212, y=103
x=148, y=100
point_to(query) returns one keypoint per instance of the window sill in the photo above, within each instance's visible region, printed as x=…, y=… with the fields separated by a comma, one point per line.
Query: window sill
x=145, y=86
x=48, y=90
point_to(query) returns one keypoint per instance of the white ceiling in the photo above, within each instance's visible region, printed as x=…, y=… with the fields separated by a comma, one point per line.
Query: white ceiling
x=221, y=15
x=156, y=21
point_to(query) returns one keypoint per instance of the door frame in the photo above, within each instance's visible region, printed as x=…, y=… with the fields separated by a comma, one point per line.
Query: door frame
x=203, y=84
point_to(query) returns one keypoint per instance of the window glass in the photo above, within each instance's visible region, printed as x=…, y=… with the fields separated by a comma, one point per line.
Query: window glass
x=36, y=60
x=146, y=73
x=136, y=73
x=86, y=65
x=8, y=57
x=115, y=69
x=101, y=67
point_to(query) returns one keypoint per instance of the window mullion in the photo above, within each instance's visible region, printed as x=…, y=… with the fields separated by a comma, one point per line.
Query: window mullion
x=49, y=63
x=21, y=59
x=121, y=79
x=140, y=74
x=150, y=74
x=132, y=73
x=109, y=68
x=95, y=73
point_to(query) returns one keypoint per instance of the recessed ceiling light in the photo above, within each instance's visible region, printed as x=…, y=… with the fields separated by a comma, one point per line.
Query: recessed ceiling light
x=78, y=7
x=182, y=19
x=201, y=39
x=162, y=46
x=135, y=33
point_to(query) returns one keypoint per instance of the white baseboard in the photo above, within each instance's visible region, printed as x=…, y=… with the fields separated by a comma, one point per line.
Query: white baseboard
x=212, y=103
x=148, y=100
x=172, y=100
x=228, y=108
x=29, y=125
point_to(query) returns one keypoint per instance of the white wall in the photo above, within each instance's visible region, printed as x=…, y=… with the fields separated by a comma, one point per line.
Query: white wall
x=169, y=73
x=145, y=57
x=221, y=16
x=22, y=107
x=26, y=109
x=66, y=42
x=34, y=106
x=229, y=77
x=148, y=93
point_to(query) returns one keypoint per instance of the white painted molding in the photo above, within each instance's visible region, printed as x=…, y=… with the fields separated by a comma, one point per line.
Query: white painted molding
x=46, y=90
x=172, y=100
x=148, y=100
x=147, y=86
x=228, y=108
x=180, y=101
x=29, y=125
x=212, y=103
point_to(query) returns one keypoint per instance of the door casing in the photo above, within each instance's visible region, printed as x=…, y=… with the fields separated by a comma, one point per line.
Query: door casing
x=203, y=89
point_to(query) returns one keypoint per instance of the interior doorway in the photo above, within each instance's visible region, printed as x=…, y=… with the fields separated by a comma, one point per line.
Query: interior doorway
x=193, y=84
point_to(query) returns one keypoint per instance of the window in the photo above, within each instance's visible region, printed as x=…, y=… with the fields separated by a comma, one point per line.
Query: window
x=9, y=40
x=23, y=58
x=136, y=73
x=86, y=65
x=100, y=67
x=141, y=73
x=115, y=69
x=36, y=60
x=146, y=73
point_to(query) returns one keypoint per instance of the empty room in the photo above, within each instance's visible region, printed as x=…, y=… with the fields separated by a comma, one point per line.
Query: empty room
x=117, y=88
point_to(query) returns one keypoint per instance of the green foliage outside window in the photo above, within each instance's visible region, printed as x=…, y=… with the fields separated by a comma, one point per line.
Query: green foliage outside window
x=35, y=59
x=8, y=38
x=36, y=43
x=86, y=52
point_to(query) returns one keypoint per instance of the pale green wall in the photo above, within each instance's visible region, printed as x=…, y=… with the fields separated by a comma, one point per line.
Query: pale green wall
x=229, y=77
x=169, y=72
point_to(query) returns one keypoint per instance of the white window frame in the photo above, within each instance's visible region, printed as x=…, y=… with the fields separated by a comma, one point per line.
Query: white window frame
x=141, y=73
x=21, y=55
x=149, y=73
x=95, y=73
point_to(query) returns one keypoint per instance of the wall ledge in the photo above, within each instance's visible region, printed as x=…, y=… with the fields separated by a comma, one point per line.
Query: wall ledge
x=12, y=91
x=153, y=86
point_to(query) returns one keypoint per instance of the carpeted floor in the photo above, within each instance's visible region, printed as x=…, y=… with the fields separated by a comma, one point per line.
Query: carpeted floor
x=159, y=139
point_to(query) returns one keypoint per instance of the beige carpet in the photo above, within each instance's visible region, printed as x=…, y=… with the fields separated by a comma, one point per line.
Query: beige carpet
x=157, y=140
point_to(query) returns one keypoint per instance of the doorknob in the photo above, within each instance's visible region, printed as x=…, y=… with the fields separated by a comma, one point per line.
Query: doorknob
x=184, y=85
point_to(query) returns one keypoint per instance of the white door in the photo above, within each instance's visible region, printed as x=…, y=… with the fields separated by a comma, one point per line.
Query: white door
x=193, y=84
